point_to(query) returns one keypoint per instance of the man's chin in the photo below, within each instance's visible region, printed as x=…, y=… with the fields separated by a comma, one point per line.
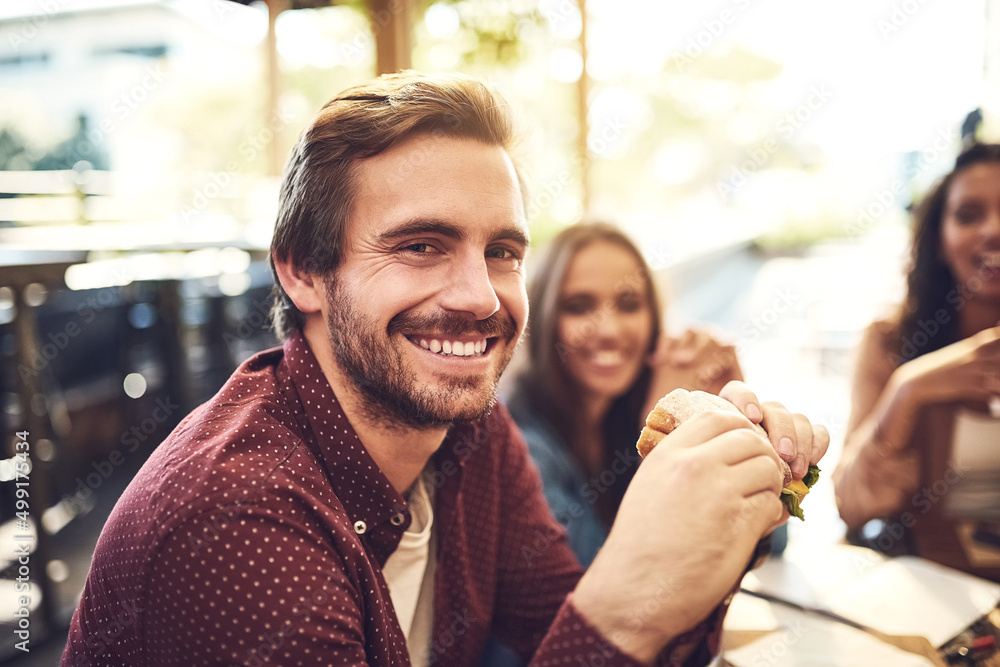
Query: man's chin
x=434, y=407
x=451, y=406
x=476, y=412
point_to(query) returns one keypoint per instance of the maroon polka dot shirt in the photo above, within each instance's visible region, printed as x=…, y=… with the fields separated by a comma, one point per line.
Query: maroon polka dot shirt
x=256, y=534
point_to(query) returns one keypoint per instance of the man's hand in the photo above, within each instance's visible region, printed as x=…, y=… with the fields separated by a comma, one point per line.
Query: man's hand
x=689, y=522
x=797, y=440
x=687, y=525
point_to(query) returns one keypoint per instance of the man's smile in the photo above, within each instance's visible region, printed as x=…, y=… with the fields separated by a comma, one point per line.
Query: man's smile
x=455, y=348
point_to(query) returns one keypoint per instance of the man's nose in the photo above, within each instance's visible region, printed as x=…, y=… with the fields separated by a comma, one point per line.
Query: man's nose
x=470, y=289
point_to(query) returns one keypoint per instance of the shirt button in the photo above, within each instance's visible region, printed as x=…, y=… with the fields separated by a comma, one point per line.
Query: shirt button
x=398, y=519
x=360, y=527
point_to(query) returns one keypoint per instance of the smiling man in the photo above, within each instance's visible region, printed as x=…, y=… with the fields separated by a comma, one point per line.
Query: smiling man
x=357, y=497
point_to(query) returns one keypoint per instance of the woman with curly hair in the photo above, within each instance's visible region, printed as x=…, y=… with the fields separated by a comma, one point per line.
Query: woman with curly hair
x=938, y=355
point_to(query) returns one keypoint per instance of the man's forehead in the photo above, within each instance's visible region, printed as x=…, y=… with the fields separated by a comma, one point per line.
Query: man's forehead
x=453, y=186
x=423, y=155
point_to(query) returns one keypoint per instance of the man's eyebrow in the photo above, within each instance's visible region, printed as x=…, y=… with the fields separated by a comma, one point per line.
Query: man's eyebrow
x=450, y=230
x=513, y=234
x=422, y=226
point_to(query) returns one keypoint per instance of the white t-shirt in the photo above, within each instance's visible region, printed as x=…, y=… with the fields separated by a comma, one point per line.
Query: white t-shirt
x=409, y=573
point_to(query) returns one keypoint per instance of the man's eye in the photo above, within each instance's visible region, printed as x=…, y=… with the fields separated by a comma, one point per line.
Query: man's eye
x=505, y=254
x=500, y=253
x=419, y=248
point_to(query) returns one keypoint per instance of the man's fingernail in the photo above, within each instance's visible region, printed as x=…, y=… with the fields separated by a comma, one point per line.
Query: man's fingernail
x=753, y=412
x=798, y=467
x=786, y=447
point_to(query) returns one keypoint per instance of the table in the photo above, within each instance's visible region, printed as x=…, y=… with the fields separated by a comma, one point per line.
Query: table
x=925, y=604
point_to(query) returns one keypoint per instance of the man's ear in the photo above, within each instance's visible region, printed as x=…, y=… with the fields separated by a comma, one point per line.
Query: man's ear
x=306, y=290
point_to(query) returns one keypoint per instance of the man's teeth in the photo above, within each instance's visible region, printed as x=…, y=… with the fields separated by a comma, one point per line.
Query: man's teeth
x=454, y=348
x=991, y=259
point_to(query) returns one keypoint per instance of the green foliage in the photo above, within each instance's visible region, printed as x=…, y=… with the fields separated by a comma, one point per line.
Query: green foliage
x=492, y=27
x=801, y=233
x=15, y=154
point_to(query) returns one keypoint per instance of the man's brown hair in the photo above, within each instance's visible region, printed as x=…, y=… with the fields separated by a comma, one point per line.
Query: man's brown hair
x=318, y=185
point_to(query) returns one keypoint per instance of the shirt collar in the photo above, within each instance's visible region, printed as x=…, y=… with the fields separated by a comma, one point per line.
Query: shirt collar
x=378, y=513
x=362, y=488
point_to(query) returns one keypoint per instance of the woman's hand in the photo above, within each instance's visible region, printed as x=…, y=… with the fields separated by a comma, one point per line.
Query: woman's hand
x=693, y=360
x=968, y=370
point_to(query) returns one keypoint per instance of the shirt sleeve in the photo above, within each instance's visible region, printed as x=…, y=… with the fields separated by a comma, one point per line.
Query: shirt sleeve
x=250, y=587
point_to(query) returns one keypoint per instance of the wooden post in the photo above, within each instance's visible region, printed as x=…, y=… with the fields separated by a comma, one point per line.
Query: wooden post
x=392, y=26
x=275, y=154
x=582, y=90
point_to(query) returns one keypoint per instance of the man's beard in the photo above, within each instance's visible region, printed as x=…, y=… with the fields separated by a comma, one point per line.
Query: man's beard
x=390, y=393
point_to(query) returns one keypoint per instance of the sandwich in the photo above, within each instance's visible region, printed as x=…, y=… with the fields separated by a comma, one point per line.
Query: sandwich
x=680, y=405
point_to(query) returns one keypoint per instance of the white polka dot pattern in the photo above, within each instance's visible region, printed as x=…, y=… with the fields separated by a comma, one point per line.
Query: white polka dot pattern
x=256, y=533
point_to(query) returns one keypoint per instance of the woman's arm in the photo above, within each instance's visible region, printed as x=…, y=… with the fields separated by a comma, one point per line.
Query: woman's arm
x=876, y=470
x=879, y=467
